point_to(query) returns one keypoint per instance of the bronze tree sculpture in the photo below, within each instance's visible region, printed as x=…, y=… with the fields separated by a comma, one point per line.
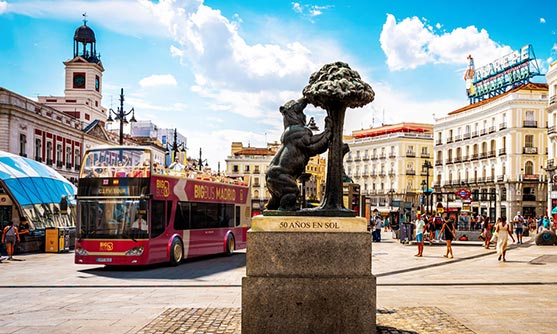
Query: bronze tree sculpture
x=334, y=88
x=298, y=145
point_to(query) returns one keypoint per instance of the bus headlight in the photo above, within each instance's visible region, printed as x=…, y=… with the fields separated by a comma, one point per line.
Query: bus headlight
x=136, y=251
x=81, y=251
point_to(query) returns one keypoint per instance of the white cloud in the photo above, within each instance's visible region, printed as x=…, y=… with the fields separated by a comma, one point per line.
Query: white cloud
x=309, y=11
x=233, y=74
x=542, y=20
x=410, y=44
x=3, y=7
x=157, y=80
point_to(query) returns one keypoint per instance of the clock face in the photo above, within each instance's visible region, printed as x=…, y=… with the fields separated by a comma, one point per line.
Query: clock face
x=79, y=81
x=97, y=83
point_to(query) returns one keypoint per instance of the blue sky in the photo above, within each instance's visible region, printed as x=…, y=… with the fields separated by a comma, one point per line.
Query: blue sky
x=219, y=70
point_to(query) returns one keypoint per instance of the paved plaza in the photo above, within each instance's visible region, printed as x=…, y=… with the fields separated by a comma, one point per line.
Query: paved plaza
x=472, y=293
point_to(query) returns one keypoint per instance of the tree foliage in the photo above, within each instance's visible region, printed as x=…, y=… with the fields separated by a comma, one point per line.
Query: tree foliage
x=338, y=83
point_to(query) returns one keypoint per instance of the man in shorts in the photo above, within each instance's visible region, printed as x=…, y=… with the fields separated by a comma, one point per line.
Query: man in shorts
x=420, y=226
x=518, y=221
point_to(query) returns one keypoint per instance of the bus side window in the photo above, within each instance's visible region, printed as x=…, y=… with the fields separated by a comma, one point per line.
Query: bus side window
x=182, y=216
x=238, y=218
x=157, y=218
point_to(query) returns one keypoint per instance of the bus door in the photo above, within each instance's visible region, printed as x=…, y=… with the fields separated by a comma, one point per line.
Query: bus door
x=158, y=244
x=204, y=235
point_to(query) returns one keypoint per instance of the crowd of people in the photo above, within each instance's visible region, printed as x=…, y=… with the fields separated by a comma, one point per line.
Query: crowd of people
x=437, y=228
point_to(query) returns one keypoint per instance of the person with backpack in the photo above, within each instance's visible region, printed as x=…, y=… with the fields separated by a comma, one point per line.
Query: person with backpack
x=9, y=236
x=438, y=223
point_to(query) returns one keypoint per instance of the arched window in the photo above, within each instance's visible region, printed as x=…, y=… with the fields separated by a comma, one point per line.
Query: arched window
x=529, y=168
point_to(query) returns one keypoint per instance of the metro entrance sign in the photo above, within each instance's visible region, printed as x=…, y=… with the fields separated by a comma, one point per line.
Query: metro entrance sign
x=463, y=193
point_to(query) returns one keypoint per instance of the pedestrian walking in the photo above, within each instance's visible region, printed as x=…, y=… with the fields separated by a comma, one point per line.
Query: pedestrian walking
x=378, y=225
x=438, y=223
x=503, y=230
x=420, y=230
x=449, y=231
x=9, y=237
x=488, y=226
x=518, y=222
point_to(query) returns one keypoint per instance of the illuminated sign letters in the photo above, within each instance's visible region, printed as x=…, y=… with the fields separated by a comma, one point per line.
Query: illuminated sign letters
x=492, y=79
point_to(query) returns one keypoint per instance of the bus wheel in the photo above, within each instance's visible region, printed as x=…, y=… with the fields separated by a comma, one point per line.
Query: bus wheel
x=176, y=252
x=230, y=244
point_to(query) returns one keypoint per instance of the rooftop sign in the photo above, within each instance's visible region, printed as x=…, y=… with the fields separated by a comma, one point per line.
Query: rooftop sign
x=508, y=72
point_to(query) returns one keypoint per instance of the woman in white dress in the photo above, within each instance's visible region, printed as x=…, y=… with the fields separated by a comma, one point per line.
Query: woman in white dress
x=504, y=230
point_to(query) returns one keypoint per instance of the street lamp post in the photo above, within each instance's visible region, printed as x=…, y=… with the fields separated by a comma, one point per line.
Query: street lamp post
x=424, y=188
x=120, y=116
x=427, y=166
x=391, y=195
x=176, y=146
x=201, y=161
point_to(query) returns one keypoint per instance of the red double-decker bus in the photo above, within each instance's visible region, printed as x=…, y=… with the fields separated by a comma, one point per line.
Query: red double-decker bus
x=132, y=212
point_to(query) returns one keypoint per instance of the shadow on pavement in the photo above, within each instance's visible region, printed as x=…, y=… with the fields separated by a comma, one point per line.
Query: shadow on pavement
x=188, y=269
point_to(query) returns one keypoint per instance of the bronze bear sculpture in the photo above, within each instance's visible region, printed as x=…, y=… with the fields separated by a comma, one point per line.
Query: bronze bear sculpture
x=298, y=145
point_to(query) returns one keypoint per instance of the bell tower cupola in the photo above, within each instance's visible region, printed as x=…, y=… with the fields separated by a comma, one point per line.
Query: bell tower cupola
x=85, y=44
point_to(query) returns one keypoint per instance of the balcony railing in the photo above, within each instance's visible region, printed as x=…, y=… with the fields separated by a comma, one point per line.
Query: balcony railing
x=491, y=154
x=530, y=124
x=475, y=134
x=491, y=129
x=457, y=138
x=410, y=172
x=410, y=154
x=530, y=177
x=466, y=136
x=425, y=155
x=551, y=130
x=530, y=150
x=449, y=140
x=438, y=162
x=438, y=142
x=502, y=151
x=502, y=126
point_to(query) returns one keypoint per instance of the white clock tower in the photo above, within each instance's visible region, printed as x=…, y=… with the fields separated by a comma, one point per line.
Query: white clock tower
x=83, y=80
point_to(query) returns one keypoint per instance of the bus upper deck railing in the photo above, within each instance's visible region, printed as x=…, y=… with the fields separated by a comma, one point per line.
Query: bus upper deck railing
x=142, y=171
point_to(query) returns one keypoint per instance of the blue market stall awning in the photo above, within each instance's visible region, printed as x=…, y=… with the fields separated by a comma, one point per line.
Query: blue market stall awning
x=554, y=211
x=31, y=182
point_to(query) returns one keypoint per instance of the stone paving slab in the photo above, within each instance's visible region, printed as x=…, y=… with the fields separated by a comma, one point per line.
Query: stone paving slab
x=404, y=320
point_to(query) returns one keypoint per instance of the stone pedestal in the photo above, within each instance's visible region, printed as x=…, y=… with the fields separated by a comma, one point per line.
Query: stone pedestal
x=308, y=275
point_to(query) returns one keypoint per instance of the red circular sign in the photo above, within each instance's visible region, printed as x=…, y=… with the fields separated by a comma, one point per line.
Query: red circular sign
x=463, y=193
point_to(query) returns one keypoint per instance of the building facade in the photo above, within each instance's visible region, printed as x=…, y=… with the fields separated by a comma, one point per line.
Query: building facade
x=388, y=164
x=551, y=77
x=495, y=149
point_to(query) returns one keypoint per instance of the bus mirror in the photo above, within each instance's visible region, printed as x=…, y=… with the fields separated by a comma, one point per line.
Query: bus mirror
x=63, y=206
x=142, y=206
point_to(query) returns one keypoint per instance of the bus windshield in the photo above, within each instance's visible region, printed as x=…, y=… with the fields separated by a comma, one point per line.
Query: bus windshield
x=116, y=162
x=112, y=219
